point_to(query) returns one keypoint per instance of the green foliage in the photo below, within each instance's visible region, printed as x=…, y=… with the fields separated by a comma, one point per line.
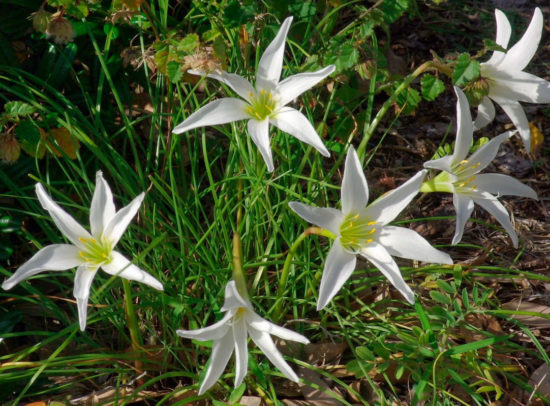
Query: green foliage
x=431, y=87
x=465, y=71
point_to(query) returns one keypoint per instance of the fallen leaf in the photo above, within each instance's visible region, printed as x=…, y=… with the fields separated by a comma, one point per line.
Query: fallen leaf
x=529, y=320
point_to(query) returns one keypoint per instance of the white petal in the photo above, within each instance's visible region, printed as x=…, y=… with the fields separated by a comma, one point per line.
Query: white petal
x=485, y=113
x=259, y=132
x=233, y=298
x=56, y=257
x=102, y=209
x=463, y=207
x=515, y=112
x=271, y=62
x=519, y=86
x=339, y=266
x=504, y=30
x=65, y=222
x=219, y=111
x=484, y=155
x=498, y=211
x=443, y=164
x=464, y=127
x=380, y=258
x=240, y=85
x=295, y=85
x=82, y=282
x=122, y=267
x=327, y=218
x=265, y=343
x=355, y=190
x=389, y=205
x=405, y=243
x=258, y=323
x=502, y=185
x=119, y=223
x=221, y=351
x=293, y=122
x=240, y=338
x=213, y=332
x=519, y=56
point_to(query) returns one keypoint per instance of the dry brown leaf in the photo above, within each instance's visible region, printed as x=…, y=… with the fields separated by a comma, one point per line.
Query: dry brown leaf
x=529, y=320
x=251, y=401
x=540, y=381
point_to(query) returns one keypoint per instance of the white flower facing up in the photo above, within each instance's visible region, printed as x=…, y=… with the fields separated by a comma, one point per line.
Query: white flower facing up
x=88, y=251
x=508, y=83
x=230, y=333
x=365, y=231
x=264, y=104
x=460, y=176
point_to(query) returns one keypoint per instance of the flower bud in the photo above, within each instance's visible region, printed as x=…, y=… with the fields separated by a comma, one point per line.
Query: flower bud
x=41, y=20
x=60, y=29
x=10, y=149
x=475, y=91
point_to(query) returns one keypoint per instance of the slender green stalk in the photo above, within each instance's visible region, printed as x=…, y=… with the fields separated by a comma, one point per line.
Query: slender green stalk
x=238, y=273
x=135, y=337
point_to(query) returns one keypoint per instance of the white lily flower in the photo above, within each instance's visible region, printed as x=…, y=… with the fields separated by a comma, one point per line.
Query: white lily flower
x=365, y=231
x=264, y=104
x=508, y=83
x=231, y=333
x=461, y=176
x=88, y=251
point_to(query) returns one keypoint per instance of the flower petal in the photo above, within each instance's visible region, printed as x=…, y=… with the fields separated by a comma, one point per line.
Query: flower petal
x=388, y=206
x=240, y=339
x=259, y=132
x=515, y=112
x=213, y=332
x=219, y=111
x=502, y=185
x=463, y=207
x=327, y=218
x=296, y=124
x=233, y=298
x=519, y=86
x=339, y=266
x=119, y=223
x=240, y=85
x=64, y=221
x=102, y=209
x=221, y=351
x=295, y=85
x=265, y=343
x=484, y=155
x=381, y=259
x=485, y=113
x=122, y=267
x=56, y=257
x=261, y=324
x=464, y=127
x=504, y=30
x=355, y=190
x=405, y=243
x=443, y=164
x=499, y=212
x=82, y=282
x=271, y=62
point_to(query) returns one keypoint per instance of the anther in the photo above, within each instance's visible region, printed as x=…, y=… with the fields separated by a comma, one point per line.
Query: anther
x=82, y=240
x=371, y=223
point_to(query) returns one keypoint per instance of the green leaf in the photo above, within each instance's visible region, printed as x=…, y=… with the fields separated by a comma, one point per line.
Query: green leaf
x=302, y=10
x=465, y=71
x=188, y=44
x=431, y=87
x=174, y=71
x=445, y=286
x=408, y=100
x=343, y=56
x=17, y=109
x=237, y=393
x=29, y=136
x=440, y=297
x=491, y=45
x=476, y=345
x=393, y=9
x=364, y=353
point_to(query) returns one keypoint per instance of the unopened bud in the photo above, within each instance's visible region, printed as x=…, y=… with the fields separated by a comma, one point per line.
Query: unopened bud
x=10, y=149
x=41, y=20
x=60, y=29
x=475, y=91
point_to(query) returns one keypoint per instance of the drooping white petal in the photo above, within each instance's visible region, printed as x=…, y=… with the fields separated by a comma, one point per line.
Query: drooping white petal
x=381, y=259
x=485, y=113
x=405, y=243
x=265, y=343
x=463, y=207
x=271, y=62
x=221, y=351
x=56, y=257
x=64, y=221
x=498, y=211
x=502, y=185
x=240, y=85
x=240, y=338
x=504, y=30
x=388, y=206
x=233, y=298
x=516, y=113
x=339, y=266
x=102, y=209
x=296, y=124
x=213, y=332
x=258, y=323
x=219, y=111
x=519, y=56
x=484, y=155
x=443, y=164
x=259, y=132
x=82, y=283
x=327, y=218
x=519, y=86
x=355, y=190
x=119, y=223
x=464, y=127
x=295, y=85
x=122, y=267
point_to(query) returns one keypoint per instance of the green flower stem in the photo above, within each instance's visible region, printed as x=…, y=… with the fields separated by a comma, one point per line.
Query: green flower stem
x=238, y=273
x=288, y=262
x=441, y=183
x=135, y=337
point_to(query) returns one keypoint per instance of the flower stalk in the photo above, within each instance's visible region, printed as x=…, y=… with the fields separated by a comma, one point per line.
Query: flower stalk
x=238, y=273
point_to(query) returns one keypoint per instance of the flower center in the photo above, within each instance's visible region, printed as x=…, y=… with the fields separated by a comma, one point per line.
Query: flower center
x=465, y=173
x=96, y=253
x=356, y=231
x=262, y=105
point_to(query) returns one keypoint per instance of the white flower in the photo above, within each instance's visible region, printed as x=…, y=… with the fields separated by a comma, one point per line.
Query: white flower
x=508, y=84
x=461, y=176
x=231, y=333
x=365, y=231
x=88, y=251
x=264, y=104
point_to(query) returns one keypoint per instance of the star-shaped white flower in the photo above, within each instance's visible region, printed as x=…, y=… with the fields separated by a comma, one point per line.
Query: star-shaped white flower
x=88, y=251
x=460, y=176
x=365, y=231
x=264, y=104
x=508, y=83
x=231, y=333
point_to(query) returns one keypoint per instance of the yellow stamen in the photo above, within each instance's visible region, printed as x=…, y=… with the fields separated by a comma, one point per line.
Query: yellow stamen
x=370, y=223
x=82, y=240
x=372, y=231
x=368, y=241
x=464, y=161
